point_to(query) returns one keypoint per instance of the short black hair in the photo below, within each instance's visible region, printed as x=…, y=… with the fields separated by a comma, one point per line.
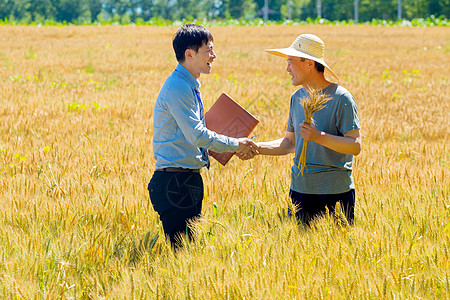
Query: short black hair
x=190, y=36
x=318, y=66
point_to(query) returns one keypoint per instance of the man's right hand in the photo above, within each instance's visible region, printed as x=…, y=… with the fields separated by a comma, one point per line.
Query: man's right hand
x=247, y=148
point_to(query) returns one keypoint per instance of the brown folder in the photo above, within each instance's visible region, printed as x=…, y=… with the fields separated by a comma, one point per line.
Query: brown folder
x=228, y=118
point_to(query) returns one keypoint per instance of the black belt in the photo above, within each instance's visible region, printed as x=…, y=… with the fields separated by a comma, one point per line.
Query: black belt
x=180, y=170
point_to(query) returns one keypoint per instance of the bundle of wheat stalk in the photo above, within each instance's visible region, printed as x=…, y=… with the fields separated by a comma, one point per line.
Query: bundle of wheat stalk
x=315, y=102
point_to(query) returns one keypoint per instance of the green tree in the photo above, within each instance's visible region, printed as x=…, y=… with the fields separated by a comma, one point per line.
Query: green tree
x=377, y=9
x=117, y=7
x=237, y=9
x=425, y=8
x=20, y=10
x=41, y=10
x=81, y=11
x=186, y=9
x=143, y=9
x=213, y=9
x=72, y=10
x=165, y=9
x=445, y=8
x=274, y=8
x=6, y=8
x=297, y=7
x=95, y=7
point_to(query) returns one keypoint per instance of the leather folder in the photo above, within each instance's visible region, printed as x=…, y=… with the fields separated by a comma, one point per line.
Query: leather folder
x=228, y=118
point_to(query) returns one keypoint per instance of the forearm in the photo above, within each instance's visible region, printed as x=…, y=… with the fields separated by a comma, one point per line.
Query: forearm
x=277, y=147
x=196, y=133
x=213, y=141
x=341, y=144
x=181, y=109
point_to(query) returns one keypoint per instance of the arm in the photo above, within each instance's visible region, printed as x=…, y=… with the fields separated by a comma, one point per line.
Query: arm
x=350, y=143
x=281, y=146
x=184, y=108
x=186, y=113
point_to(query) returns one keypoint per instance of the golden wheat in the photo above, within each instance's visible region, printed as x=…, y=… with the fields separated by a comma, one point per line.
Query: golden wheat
x=75, y=159
x=311, y=104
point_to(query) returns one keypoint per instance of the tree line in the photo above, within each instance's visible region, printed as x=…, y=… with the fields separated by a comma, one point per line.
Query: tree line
x=125, y=11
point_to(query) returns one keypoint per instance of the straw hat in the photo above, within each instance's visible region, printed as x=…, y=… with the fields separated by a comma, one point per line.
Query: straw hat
x=307, y=46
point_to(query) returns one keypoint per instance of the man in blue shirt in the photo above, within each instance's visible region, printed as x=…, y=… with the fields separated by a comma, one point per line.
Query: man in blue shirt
x=180, y=137
x=333, y=140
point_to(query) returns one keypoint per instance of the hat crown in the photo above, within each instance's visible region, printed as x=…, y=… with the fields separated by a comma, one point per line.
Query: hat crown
x=310, y=44
x=306, y=46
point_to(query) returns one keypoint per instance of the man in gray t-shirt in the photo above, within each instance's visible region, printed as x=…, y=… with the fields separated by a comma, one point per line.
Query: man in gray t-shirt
x=332, y=140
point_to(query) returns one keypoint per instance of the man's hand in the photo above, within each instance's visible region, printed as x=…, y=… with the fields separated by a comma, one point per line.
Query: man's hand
x=247, y=149
x=309, y=132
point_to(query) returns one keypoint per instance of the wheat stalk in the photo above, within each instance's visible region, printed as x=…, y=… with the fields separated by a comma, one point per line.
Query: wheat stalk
x=315, y=102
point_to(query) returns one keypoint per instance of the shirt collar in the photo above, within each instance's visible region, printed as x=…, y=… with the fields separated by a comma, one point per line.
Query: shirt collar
x=194, y=83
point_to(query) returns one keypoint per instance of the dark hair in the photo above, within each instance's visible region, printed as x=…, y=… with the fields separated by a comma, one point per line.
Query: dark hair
x=190, y=36
x=318, y=66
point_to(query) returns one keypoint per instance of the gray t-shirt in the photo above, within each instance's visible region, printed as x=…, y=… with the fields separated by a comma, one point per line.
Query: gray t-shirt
x=326, y=171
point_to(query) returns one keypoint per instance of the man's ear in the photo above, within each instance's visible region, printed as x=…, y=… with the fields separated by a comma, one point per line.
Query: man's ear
x=189, y=53
x=310, y=64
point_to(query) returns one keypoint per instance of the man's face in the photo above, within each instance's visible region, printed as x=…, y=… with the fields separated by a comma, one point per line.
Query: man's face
x=203, y=58
x=297, y=69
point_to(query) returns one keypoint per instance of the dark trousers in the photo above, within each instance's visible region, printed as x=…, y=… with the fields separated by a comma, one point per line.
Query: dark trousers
x=177, y=198
x=311, y=206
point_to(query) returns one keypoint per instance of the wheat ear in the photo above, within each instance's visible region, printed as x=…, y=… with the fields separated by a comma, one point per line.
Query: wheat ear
x=315, y=102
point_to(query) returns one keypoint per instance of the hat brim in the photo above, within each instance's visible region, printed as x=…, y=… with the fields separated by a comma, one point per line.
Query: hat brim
x=285, y=52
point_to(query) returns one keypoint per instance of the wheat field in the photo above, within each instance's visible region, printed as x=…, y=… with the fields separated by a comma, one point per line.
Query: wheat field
x=76, y=157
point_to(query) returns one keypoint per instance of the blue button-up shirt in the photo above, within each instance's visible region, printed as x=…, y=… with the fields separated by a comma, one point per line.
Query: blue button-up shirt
x=179, y=129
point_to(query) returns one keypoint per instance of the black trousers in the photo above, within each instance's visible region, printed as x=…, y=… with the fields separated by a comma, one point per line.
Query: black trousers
x=177, y=198
x=311, y=206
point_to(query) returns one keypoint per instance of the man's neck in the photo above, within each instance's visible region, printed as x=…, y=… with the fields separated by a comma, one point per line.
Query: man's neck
x=316, y=83
x=190, y=69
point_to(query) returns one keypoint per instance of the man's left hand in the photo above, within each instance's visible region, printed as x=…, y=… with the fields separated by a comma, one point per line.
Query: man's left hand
x=309, y=132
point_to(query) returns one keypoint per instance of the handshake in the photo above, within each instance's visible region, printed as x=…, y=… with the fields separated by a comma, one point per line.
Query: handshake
x=247, y=149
